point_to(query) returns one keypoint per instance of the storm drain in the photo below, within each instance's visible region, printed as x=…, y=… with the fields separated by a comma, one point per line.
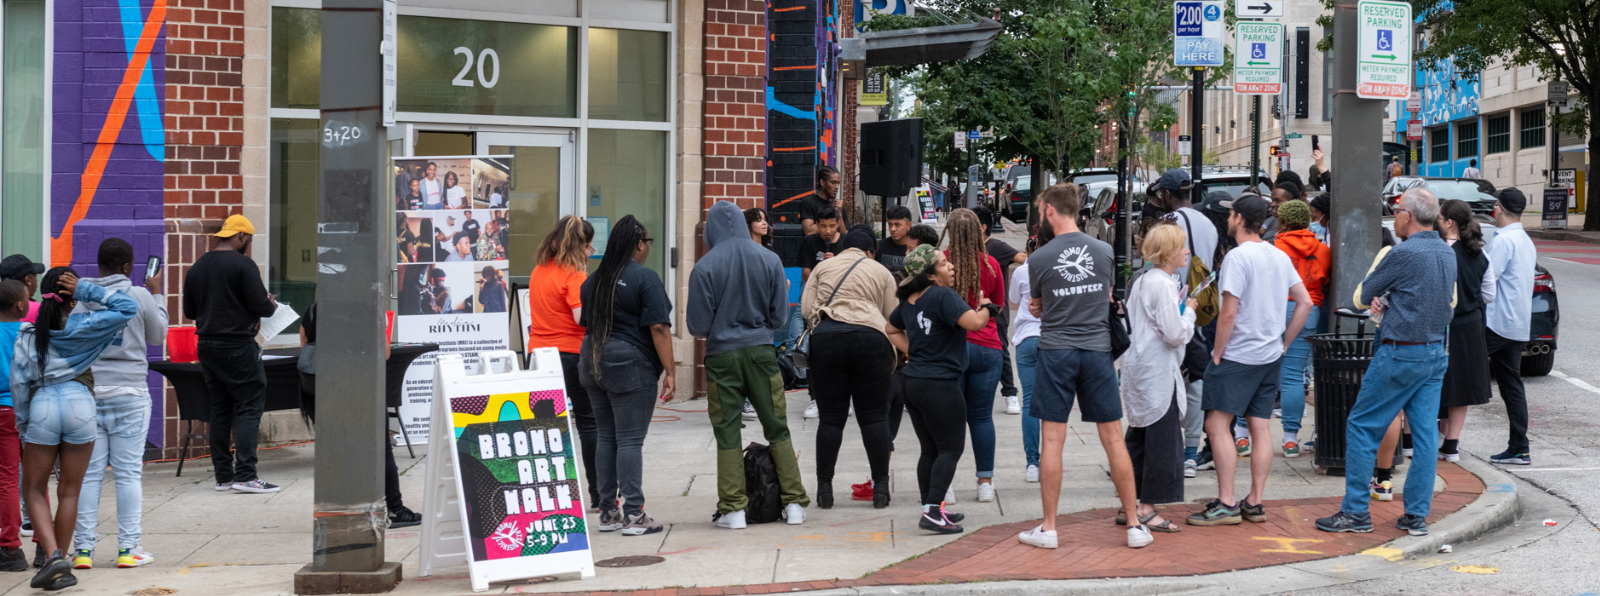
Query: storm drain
x=153, y=592
x=634, y=561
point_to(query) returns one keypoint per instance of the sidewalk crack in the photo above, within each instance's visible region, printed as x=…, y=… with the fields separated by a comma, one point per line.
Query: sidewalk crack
x=775, y=560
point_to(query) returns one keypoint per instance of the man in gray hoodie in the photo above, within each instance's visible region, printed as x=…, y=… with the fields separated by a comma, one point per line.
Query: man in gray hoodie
x=122, y=407
x=737, y=297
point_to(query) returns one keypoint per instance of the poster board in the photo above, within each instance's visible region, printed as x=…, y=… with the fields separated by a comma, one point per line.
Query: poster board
x=925, y=203
x=1554, y=206
x=503, y=494
x=451, y=247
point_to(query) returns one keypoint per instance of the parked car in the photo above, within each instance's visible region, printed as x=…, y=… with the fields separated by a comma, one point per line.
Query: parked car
x=1098, y=218
x=1479, y=194
x=1230, y=179
x=1018, y=191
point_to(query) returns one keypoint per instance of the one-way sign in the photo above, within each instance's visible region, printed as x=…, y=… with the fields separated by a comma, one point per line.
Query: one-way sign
x=1258, y=8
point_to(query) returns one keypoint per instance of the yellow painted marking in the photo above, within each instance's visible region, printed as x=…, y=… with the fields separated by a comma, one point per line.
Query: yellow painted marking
x=871, y=536
x=1388, y=554
x=812, y=537
x=1476, y=569
x=1286, y=545
x=185, y=570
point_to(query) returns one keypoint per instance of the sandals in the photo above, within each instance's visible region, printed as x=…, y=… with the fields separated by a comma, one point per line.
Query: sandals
x=1122, y=518
x=1166, y=526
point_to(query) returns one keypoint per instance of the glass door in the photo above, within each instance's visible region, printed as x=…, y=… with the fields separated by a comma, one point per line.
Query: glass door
x=538, y=189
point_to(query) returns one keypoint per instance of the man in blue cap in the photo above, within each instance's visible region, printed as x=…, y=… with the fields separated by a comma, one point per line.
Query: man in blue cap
x=1174, y=191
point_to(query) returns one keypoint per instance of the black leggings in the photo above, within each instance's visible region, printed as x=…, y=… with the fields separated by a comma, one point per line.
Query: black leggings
x=583, y=416
x=939, y=415
x=852, y=366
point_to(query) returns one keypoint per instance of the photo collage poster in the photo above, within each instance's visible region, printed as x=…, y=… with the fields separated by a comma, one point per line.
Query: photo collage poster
x=452, y=231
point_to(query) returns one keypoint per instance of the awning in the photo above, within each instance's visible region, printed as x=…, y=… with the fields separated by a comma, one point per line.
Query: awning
x=908, y=47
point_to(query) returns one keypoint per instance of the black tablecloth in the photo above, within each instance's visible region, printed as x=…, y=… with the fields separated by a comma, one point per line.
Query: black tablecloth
x=283, y=380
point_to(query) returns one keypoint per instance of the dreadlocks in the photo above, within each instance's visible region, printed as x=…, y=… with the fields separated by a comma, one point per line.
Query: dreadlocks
x=966, y=252
x=625, y=239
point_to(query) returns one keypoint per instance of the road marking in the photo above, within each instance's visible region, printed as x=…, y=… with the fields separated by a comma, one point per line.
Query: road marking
x=1579, y=383
x=1389, y=554
x=1286, y=545
x=1476, y=569
x=1557, y=470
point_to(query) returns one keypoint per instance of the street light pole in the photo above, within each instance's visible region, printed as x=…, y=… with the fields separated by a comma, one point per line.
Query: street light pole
x=349, y=513
x=1357, y=223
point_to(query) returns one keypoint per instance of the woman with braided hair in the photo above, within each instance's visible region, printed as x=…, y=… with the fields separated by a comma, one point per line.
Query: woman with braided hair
x=977, y=276
x=627, y=345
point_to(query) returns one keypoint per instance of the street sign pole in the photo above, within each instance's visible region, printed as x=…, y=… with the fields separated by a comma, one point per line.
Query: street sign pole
x=1255, y=140
x=1356, y=225
x=1197, y=127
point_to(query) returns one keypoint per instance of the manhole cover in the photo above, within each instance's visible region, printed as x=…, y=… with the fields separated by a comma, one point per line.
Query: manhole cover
x=637, y=561
x=153, y=592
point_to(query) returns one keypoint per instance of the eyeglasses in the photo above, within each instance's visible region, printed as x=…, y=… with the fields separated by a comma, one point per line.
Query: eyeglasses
x=649, y=240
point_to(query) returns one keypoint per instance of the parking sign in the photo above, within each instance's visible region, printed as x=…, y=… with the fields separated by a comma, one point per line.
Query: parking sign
x=1384, y=63
x=1257, y=58
x=1197, y=33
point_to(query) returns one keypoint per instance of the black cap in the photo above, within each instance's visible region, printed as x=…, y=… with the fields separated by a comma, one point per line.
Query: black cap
x=1214, y=201
x=1251, y=207
x=1509, y=198
x=18, y=266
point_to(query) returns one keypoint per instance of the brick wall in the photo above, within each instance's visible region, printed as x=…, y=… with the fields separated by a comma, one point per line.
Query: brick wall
x=735, y=128
x=850, y=144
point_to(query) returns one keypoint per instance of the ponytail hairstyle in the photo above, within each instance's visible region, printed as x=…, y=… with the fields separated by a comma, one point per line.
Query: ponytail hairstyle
x=567, y=244
x=625, y=238
x=1467, y=228
x=966, y=252
x=53, y=310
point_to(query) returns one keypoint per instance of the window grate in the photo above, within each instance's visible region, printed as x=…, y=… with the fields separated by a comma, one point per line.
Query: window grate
x=1533, y=134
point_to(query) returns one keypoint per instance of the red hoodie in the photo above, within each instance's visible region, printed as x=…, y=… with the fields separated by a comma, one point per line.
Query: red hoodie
x=1311, y=260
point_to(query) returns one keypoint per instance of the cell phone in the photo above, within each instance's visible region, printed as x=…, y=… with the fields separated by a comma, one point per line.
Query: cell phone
x=1315, y=145
x=153, y=265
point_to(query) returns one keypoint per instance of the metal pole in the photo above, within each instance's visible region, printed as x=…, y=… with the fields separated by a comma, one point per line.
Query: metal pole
x=1255, y=140
x=352, y=285
x=1355, y=222
x=1123, y=206
x=1555, y=139
x=1197, y=126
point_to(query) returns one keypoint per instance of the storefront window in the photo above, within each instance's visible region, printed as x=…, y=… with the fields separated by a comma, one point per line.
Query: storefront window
x=534, y=195
x=22, y=206
x=628, y=176
x=459, y=66
x=296, y=57
x=292, y=201
x=627, y=75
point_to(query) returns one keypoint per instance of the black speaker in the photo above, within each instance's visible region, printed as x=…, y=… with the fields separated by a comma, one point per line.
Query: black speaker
x=891, y=157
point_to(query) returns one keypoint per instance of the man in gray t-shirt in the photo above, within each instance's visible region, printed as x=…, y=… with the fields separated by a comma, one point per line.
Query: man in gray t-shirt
x=1072, y=277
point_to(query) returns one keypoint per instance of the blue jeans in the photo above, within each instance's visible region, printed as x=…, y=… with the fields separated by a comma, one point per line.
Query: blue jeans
x=1027, y=358
x=978, y=383
x=1400, y=378
x=790, y=330
x=119, y=440
x=1292, y=379
x=60, y=413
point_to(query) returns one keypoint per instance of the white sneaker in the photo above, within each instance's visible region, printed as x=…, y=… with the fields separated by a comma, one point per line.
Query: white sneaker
x=1013, y=405
x=1189, y=468
x=1033, y=473
x=733, y=520
x=1442, y=457
x=811, y=410
x=985, y=492
x=257, y=486
x=794, y=513
x=1139, y=537
x=1039, y=537
x=749, y=411
x=950, y=495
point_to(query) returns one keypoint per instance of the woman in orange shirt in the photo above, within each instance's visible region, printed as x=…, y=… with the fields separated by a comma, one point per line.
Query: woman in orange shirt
x=553, y=310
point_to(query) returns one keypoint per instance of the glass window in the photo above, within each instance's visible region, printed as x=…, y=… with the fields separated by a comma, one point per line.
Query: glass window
x=1499, y=137
x=1439, y=144
x=486, y=67
x=628, y=176
x=1533, y=128
x=296, y=57
x=627, y=75
x=292, y=206
x=22, y=133
x=1327, y=86
x=534, y=195
x=1466, y=140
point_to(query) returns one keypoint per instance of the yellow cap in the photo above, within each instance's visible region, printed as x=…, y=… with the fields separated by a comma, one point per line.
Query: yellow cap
x=234, y=225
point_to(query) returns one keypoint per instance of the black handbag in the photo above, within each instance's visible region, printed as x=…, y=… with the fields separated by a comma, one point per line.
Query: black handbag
x=1119, y=331
x=1196, y=357
x=801, y=354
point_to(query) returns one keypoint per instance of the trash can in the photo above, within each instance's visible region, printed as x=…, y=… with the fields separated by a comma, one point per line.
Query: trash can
x=1338, y=363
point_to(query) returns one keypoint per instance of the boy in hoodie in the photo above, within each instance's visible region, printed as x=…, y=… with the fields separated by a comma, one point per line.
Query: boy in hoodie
x=122, y=409
x=737, y=297
x=13, y=308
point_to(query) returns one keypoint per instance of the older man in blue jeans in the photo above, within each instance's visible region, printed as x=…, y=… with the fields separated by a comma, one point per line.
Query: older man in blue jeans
x=1413, y=288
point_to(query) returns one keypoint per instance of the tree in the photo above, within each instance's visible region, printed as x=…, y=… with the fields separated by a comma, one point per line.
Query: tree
x=1556, y=36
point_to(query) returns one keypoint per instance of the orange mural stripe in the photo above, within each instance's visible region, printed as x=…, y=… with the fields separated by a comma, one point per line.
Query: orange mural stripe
x=788, y=9
x=794, y=149
x=812, y=67
x=61, y=246
x=781, y=203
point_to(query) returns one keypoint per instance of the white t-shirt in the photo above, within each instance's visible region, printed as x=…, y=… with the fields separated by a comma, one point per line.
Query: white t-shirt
x=458, y=197
x=496, y=200
x=1025, y=325
x=1204, y=235
x=431, y=191
x=1261, y=276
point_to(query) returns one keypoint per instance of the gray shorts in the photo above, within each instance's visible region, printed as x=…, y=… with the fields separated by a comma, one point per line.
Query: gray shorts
x=1241, y=389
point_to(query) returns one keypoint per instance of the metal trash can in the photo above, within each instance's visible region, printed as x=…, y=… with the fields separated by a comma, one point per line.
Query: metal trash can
x=1338, y=363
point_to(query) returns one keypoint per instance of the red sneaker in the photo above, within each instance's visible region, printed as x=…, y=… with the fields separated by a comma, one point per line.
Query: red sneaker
x=861, y=492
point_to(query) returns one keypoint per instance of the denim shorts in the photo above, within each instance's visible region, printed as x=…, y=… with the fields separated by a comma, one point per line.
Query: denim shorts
x=1062, y=375
x=61, y=413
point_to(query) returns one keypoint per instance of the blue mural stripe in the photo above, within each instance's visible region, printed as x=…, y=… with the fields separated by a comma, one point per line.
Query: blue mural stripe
x=151, y=130
x=782, y=108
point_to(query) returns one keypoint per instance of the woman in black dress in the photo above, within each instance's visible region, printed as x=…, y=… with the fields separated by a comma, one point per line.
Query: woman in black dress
x=1466, y=382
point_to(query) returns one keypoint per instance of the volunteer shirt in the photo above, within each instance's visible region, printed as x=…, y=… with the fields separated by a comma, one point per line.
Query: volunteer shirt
x=8, y=345
x=553, y=293
x=1072, y=277
x=1261, y=276
x=1201, y=233
x=893, y=256
x=938, y=343
x=641, y=301
x=813, y=249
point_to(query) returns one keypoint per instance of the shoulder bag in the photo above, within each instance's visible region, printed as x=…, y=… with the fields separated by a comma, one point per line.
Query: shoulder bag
x=801, y=354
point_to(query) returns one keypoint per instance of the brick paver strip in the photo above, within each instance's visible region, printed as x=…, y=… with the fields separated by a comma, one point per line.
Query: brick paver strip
x=1093, y=547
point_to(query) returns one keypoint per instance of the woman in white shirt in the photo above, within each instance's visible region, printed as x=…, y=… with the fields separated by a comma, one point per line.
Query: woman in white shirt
x=1025, y=336
x=1152, y=385
x=454, y=196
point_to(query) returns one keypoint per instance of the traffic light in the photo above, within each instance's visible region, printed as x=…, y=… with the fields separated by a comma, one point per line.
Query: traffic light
x=1273, y=151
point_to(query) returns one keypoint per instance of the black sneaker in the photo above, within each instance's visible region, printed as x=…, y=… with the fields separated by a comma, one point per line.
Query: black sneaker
x=13, y=559
x=54, y=569
x=1416, y=525
x=404, y=517
x=937, y=522
x=1345, y=521
x=1204, y=461
x=1253, y=513
x=39, y=556
x=65, y=582
x=1515, y=458
x=1216, y=514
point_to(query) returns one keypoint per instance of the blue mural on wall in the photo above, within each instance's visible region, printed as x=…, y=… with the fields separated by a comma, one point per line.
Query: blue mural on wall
x=1446, y=95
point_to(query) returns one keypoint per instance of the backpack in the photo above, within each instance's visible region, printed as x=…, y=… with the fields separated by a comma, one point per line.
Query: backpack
x=1208, y=302
x=761, y=485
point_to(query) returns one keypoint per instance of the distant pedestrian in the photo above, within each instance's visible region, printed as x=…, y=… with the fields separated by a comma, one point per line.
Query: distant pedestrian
x=922, y=235
x=1257, y=281
x=13, y=307
x=977, y=274
x=931, y=323
x=1512, y=258
x=24, y=270
x=555, y=307
x=1025, y=335
x=737, y=296
x=1466, y=382
x=1472, y=170
x=1408, y=365
x=1312, y=260
x=1395, y=169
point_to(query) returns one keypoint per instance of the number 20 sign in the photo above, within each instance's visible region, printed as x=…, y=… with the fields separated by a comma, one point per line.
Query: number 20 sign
x=488, y=81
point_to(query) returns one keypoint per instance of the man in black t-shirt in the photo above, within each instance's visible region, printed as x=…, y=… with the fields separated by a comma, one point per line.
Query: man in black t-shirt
x=1007, y=256
x=826, y=195
x=892, y=250
x=471, y=227
x=822, y=245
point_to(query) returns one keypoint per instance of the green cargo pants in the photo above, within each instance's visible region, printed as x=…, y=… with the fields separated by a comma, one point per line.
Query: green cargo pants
x=731, y=378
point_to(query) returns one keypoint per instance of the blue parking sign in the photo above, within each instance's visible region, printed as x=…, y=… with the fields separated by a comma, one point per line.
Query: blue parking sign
x=1258, y=50
x=1197, y=27
x=1385, y=40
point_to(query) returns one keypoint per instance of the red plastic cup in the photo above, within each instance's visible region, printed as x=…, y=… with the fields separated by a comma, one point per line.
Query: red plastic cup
x=182, y=344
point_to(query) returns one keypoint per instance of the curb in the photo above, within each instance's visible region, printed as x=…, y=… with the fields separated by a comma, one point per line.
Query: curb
x=1499, y=506
x=1149, y=586
x=1564, y=236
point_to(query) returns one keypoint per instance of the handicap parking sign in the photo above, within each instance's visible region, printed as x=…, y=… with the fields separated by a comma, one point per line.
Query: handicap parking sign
x=1385, y=40
x=1258, y=50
